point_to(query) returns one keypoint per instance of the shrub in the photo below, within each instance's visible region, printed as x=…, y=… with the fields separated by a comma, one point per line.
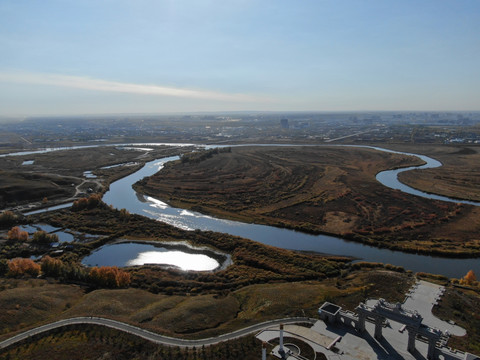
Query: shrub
x=43, y=237
x=7, y=218
x=109, y=276
x=51, y=266
x=469, y=279
x=16, y=233
x=22, y=266
x=91, y=202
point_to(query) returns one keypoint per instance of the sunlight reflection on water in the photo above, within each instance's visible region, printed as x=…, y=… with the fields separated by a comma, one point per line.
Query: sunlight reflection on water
x=185, y=261
x=138, y=254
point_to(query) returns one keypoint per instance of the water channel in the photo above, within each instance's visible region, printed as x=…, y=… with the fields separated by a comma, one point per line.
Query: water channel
x=121, y=195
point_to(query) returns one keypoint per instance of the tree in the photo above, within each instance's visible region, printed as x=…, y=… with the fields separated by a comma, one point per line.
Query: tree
x=7, y=218
x=91, y=202
x=42, y=237
x=109, y=276
x=16, y=233
x=22, y=266
x=51, y=266
x=124, y=214
x=469, y=279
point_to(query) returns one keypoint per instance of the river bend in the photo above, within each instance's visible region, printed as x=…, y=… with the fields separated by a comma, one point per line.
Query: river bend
x=121, y=195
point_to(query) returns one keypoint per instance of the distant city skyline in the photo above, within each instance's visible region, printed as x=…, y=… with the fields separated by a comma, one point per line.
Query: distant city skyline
x=159, y=56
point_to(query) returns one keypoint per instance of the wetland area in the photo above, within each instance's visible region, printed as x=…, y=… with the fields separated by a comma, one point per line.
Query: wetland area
x=323, y=202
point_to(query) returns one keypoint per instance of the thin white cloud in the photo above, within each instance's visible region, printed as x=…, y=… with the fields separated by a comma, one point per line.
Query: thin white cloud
x=88, y=83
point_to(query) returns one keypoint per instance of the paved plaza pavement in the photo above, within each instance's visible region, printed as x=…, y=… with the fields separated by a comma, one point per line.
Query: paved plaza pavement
x=422, y=297
x=354, y=345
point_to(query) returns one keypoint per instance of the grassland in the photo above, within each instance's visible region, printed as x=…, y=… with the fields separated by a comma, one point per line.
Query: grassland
x=262, y=283
x=198, y=316
x=321, y=190
x=461, y=305
x=188, y=316
x=458, y=176
x=59, y=176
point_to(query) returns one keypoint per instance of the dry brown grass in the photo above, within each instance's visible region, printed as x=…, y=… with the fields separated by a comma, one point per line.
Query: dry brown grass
x=195, y=314
x=210, y=315
x=457, y=178
x=27, y=302
x=294, y=299
x=461, y=306
x=52, y=174
x=35, y=301
x=322, y=190
x=112, y=303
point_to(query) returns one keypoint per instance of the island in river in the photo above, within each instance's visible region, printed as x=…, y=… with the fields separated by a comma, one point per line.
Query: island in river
x=329, y=190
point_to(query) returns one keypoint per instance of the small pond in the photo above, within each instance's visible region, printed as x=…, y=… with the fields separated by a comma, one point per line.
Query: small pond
x=63, y=235
x=136, y=254
x=89, y=175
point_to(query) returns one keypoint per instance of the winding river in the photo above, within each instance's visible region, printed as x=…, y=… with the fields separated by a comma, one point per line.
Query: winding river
x=121, y=195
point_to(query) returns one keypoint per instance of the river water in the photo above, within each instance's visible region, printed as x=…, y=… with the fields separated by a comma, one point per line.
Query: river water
x=121, y=195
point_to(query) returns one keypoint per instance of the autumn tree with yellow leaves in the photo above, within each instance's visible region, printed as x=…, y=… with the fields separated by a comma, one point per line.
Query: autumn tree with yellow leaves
x=469, y=279
x=16, y=233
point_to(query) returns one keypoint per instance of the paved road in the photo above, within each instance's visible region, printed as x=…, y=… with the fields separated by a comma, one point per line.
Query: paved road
x=150, y=336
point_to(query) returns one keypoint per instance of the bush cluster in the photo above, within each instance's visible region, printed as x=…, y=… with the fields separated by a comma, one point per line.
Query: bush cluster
x=196, y=157
x=109, y=276
x=91, y=202
x=7, y=218
x=21, y=266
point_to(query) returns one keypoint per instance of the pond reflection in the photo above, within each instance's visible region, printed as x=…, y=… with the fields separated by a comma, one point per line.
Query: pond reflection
x=184, y=261
x=137, y=254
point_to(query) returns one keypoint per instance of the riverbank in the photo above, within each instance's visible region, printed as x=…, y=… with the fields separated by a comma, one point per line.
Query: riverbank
x=456, y=178
x=329, y=190
x=252, y=262
x=42, y=179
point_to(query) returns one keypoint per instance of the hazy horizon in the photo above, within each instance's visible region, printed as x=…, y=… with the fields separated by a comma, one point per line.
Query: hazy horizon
x=67, y=58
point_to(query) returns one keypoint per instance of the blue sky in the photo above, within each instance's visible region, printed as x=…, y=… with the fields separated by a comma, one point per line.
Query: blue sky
x=143, y=56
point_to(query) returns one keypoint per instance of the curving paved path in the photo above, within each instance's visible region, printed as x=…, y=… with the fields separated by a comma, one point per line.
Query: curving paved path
x=151, y=336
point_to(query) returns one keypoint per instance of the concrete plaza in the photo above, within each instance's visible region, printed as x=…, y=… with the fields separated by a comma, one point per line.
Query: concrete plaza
x=342, y=342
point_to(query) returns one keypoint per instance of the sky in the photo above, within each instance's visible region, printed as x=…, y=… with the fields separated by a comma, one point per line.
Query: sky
x=70, y=57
